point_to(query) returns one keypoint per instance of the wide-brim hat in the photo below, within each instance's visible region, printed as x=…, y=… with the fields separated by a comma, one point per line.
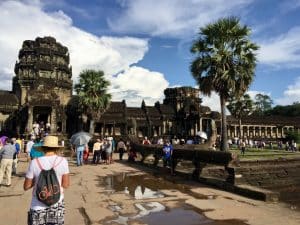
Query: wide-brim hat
x=49, y=142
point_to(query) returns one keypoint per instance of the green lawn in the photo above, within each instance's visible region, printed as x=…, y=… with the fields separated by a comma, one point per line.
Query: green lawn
x=254, y=153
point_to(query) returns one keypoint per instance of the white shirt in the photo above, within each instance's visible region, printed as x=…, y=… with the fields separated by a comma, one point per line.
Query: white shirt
x=47, y=163
x=29, y=146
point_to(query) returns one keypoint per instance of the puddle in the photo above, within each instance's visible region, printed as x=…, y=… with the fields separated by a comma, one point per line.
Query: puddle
x=146, y=186
x=138, y=186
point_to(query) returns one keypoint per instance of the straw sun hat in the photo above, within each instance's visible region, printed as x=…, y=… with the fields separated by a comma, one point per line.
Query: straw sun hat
x=49, y=143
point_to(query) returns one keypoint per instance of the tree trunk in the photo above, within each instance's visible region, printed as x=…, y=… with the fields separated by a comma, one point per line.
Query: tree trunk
x=240, y=125
x=224, y=124
x=92, y=127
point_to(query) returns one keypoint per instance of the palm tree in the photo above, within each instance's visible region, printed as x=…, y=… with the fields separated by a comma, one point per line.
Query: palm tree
x=225, y=62
x=239, y=108
x=92, y=93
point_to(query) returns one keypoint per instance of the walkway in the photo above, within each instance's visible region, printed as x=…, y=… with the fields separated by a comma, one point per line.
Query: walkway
x=89, y=201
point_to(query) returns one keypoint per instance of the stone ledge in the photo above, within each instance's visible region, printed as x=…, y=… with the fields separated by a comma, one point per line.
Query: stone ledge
x=244, y=190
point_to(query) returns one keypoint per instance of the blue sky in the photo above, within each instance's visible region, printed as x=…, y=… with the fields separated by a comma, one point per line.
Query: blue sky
x=143, y=45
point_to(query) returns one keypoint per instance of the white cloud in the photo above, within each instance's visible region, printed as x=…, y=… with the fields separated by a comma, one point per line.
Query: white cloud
x=138, y=83
x=212, y=101
x=291, y=95
x=171, y=18
x=26, y=20
x=281, y=51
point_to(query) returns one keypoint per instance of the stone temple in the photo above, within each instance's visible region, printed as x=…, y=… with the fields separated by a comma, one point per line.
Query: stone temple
x=43, y=93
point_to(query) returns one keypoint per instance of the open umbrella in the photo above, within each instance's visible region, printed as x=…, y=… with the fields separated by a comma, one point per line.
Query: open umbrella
x=3, y=139
x=202, y=134
x=80, y=138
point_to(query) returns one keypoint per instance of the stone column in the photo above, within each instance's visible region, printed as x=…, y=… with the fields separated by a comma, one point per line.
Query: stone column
x=30, y=119
x=53, y=125
x=235, y=131
x=259, y=131
x=63, y=125
x=241, y=131
x=200, y=124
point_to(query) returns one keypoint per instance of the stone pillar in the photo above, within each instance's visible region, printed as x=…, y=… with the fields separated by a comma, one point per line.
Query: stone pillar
x=241, y=131
x=114, y=129
x=164, y=127
x=200, y=124
x=259, y=131
x=235, y=131
x=63, y=125
x=30, y=119
x=53, y=125
x=248, y=131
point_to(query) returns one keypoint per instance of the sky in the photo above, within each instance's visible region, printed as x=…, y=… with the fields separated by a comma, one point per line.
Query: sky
x=143, y=46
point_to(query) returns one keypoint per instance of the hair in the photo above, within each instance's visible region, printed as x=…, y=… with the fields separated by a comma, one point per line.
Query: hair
x=49, y=149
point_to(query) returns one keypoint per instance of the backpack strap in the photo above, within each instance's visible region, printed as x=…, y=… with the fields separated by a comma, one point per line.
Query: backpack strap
x=39, y=164
x=55, y=165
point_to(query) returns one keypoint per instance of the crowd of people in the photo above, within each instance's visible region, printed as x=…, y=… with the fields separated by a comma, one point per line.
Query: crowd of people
x=47, y=175
x=242, y=144
x=102, y=151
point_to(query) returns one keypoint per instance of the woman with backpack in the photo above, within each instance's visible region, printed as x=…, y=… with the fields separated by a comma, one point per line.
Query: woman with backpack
x=48, y=176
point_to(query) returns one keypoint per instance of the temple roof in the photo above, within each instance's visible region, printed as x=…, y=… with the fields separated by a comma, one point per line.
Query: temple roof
x=267, y=120
x=114, y=113
x=135, y=112
x=8, y=98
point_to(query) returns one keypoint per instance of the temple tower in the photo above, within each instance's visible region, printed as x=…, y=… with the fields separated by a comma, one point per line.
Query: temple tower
x=43, y=83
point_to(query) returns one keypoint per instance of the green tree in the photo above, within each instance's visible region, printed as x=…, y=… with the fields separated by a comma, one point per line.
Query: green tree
x=240, y=107
x=92, y=93
x=225, y=62
x=263, y=103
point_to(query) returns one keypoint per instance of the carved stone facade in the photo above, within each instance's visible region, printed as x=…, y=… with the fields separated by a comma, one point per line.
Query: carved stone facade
x=42, y=92
x=43, y=84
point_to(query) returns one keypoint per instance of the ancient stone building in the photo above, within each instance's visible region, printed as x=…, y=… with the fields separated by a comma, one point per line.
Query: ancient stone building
x=42, y=93
x=42, y=86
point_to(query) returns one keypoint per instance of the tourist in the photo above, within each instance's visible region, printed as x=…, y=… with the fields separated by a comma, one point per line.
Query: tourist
x=16, y=155
x=34, y=153
x=121, y=148
x=40, y=213
x=97, y=151
x=108, y=150
x=146, y=141
x=243, y=147
x=175, y=141
x=182, y=141
x=29, y=145
x=189, y=141
x=86, y=154
x=131, y=155
x=79, y=154
x=160, y=141
x=167, y=155
x=6, y=155
x=113, y=146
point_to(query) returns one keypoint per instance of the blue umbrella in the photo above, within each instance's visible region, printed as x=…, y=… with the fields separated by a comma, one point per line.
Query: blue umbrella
x=80, y=138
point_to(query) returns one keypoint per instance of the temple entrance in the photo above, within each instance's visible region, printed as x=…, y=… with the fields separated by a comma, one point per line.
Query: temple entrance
x=42, y=114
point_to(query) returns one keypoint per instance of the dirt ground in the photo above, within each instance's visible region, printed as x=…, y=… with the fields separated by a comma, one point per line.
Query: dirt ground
x=88, y=201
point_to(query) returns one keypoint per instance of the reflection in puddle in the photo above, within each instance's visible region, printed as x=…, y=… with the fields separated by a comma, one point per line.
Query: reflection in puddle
x=153, y=213
x=138, y=186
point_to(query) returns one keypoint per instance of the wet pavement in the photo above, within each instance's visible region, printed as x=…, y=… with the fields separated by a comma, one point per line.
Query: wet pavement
x=123, y=194
x=145, y=186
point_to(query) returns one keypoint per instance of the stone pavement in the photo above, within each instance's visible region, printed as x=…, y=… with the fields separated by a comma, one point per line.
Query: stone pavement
x=88, y=201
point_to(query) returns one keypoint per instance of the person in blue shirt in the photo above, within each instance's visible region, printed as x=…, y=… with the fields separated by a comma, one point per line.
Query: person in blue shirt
x=34, y=153
x=167, y=154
